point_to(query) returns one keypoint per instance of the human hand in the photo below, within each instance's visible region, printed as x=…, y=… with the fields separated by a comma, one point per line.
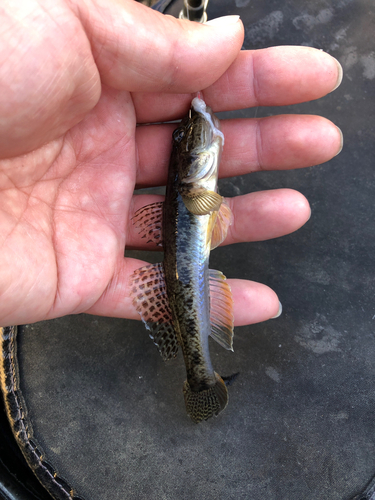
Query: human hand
x=76, y=76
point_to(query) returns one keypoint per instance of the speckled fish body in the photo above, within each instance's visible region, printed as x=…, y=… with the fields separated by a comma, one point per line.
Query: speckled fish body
x=187, y=243
x=195, y=219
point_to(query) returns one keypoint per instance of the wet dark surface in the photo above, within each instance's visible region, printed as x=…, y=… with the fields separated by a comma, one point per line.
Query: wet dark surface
x=300, y=422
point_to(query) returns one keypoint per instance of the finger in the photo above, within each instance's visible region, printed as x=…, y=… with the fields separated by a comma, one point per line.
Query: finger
x=272, y=143
x=281, y=142
x=266, y=214
x=276, y=76
x=256, y=217
x=253, y=302
x=139, y=49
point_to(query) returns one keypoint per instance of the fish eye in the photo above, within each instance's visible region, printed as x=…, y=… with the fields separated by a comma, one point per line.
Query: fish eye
x=178, y=134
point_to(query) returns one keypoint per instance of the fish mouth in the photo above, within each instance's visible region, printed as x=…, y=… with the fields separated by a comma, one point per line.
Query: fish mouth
x=200, y=130
x=207, y=118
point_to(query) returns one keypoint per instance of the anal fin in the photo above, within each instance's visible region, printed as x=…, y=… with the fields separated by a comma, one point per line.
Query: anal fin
x=149, y=295
x=221, y=310
x=149, y=221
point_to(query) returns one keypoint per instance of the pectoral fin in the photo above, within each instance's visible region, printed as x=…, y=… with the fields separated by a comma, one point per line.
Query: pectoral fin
x=221, y=310
x=149, y=295
x=149, y=221
x=223, y=220
x=202, y=203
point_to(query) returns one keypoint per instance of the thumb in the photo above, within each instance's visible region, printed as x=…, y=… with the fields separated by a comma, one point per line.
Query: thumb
x=139, y=49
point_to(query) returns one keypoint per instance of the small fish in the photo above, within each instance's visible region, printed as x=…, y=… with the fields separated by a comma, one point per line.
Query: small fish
x=181, y=301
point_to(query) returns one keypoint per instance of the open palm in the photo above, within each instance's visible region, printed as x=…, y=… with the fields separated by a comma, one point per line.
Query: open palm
x=71, y=154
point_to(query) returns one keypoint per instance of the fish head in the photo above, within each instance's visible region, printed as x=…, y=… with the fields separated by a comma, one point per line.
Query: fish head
x=198, y=142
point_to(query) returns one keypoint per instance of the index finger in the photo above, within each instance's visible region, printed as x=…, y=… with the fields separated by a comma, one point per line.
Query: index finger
x=276, y=76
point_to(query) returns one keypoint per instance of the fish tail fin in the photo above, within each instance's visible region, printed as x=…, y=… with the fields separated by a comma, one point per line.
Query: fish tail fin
x=205, y=404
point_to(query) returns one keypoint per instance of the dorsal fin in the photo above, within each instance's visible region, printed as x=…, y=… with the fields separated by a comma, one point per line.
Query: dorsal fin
x=149, y=294
x=221, y=310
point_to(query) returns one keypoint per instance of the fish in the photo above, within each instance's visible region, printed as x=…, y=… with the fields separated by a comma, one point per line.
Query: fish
x=180, y=300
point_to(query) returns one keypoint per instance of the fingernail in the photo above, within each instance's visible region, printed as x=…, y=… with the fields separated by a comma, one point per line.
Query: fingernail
x=223, y=21
x=341, y=141
x=340, y=74
x=279, y=311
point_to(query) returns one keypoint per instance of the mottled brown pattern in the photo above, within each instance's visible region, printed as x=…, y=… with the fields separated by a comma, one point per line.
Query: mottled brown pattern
x=149, y=221
x=150, y=299
x=207, y=403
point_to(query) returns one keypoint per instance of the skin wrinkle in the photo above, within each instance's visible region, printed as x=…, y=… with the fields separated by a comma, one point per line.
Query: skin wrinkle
x=232, y=229
x=57, y=298
x=111, y=147
x=80, y=209
x=82, y=302
x=46, y=85
x=54, y=239
x=53, y=88
x=14, y=284
x=227, y=81
x=59, y=295
x=112, y=287
x=172, y=56
x=99, y=39
x=137, y=162
x=28, y=219
x=100, y=213
x=259, y=146
x=244, y=88
x=163, y=165
x=255, y=84
x=6, y=237
x=34, y=285
x=110, y=58
x=29, y=195
x=5, y=174
x=175, y=64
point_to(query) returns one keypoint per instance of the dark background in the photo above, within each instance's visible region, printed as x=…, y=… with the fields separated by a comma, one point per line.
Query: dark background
x=300, y=422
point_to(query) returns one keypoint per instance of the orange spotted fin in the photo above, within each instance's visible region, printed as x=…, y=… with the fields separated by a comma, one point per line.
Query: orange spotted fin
x=149, y=294
x=149, y=221
x=221, y=310
x=223, y=220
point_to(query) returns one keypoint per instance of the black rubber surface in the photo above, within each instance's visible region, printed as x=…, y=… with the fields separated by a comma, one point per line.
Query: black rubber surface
x=300, y=421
